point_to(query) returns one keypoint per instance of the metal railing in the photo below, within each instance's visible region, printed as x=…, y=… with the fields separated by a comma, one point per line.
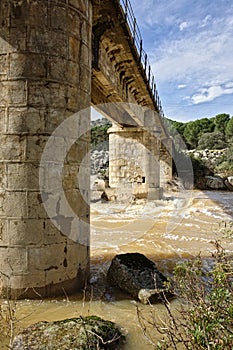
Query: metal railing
x=142, y=55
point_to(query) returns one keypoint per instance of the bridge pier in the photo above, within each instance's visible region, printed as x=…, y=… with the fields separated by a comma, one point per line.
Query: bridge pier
x=45, y=76
x=134, y=162
x=165, y=162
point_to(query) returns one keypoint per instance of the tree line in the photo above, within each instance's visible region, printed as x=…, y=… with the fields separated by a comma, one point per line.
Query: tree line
x=205, y=133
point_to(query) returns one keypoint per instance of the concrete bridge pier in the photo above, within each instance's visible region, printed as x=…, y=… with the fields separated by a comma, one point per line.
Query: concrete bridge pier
x=45, y=77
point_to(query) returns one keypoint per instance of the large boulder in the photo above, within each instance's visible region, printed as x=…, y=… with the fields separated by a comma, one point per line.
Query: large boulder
x=82, y=333
x=137, y=275
x=215, y=183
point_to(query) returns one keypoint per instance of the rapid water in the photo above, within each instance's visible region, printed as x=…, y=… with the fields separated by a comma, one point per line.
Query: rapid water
x=179, y=226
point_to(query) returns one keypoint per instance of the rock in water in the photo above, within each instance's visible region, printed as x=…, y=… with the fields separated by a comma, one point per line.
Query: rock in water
x=139, y=276
x=82, y=333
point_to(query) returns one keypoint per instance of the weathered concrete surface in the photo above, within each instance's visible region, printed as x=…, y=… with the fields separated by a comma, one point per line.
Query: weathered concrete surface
x=45, y=76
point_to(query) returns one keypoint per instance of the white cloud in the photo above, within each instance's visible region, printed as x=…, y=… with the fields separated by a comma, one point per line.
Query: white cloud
x=209, y=94
x=181, y=86
x=195, y=66
x=205, y=21
x=183, y=25
x=198, y=59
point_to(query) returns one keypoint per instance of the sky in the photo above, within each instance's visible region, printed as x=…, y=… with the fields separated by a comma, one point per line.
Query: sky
x=190, y=48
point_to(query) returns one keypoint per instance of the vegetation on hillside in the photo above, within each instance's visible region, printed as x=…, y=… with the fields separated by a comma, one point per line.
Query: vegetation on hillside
x=205, y=133
x=99, y=134
x=210, y=133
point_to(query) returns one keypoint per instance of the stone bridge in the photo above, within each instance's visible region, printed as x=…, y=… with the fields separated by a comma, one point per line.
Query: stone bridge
x=58, y=58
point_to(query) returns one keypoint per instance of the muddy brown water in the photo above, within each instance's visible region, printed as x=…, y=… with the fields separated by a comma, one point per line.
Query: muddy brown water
x=180, y=226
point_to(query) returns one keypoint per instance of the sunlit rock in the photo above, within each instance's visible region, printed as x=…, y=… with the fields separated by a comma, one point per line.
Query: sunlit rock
x=80, y=333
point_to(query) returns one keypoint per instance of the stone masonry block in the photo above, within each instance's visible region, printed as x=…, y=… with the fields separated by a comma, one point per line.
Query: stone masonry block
x=53, y=118
x=35, y=147
x=36, y=209
x=53, y=43
x=3, y=176
x=73, y=71
x=4, y=237
x=74, y=49
x=3, y=66
x=22, y=176
x=13, y=93
x=74, y=251
x=12, y=148
x=27, y=65
x=58, y=17
x=85, y=56
x=58, y=69
x=85, y=76
x=49, y=94
x=45, y=258
x=5, y=45
x=2, y=120
x=86, y=32
x=38, y=14
x=57, y=276
x=25, y=120
x=28, y=280
x=13, y=260
x=25, y=232
x=52, y=234
x=81, y=5
x=15, y=204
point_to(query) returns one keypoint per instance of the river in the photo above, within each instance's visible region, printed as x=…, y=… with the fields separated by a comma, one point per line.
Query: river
x=181, y=225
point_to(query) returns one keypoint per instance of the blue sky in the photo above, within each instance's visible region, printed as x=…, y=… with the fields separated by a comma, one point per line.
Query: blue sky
x=190, y=46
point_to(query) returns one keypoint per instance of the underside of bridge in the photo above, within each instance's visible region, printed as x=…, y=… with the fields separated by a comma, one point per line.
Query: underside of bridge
x=124, y=90
x=56, y=59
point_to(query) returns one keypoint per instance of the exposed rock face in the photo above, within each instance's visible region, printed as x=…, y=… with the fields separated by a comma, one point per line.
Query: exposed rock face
x=209, y=157
x=209, y=174
x=99, y=162
x=137, y=275
x=81, y=333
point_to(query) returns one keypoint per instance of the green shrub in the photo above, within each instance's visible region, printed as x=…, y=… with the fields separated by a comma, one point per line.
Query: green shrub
x=225, y=164
x=204, y=319
x=212, y=140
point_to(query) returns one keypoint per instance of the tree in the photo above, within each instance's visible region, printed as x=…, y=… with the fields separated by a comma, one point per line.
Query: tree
x=194, y=130
x=221, y=121
x=229, y=129
x=212, y=140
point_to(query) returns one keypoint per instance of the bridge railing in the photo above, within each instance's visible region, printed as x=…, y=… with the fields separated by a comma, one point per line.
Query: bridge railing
x=143, y=57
